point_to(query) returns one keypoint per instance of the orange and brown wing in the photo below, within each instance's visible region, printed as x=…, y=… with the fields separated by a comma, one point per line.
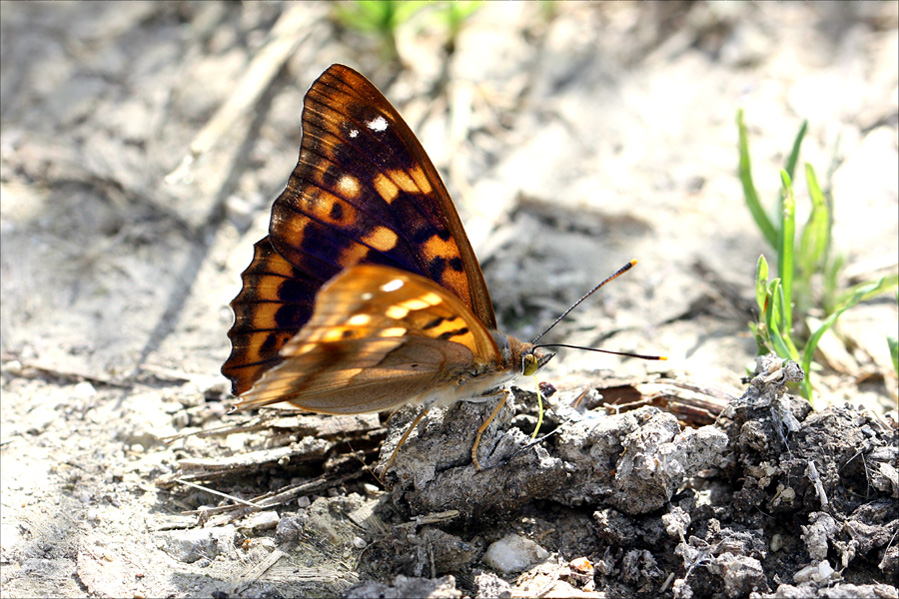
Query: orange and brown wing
x=275, y=301
x=378, y=339
x=363, y=192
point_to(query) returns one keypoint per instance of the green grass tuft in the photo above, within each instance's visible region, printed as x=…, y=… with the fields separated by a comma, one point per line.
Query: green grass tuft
x=793, y=293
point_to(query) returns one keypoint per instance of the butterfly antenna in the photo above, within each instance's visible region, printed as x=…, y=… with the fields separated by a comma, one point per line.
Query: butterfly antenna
x=603, y=351
x=617, y=274
x=620, y=272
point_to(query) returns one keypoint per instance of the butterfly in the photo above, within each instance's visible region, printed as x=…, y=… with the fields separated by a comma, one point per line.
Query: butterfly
x=366, y=294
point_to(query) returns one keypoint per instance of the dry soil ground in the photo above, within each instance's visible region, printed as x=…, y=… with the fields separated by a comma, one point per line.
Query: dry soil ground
x=142, y=144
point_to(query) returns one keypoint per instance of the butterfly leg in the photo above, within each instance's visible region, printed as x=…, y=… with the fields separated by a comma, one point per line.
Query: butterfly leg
x=483, y=427
x=405, y=436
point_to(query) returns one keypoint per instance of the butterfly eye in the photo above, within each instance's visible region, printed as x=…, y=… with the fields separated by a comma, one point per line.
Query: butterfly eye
x=529, y=364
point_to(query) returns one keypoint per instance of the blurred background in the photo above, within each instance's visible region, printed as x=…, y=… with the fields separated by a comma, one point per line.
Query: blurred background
x=143, y=144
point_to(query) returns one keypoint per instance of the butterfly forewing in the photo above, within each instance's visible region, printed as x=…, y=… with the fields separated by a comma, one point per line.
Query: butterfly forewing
x=363, y=192
x=379, y=339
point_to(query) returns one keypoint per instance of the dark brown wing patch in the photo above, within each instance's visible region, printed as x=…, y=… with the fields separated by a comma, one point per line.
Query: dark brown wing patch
x=363, y=192
x=274, y=303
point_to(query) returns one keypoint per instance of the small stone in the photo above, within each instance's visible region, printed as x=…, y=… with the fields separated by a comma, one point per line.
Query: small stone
x=260, y=521
x=490, y=585
x=514, y=553
x=83, y=390
x=267, y=543
x=742, y=574
x=290, y=528
x=189, y=546
x=13, y=367
x=814, y=573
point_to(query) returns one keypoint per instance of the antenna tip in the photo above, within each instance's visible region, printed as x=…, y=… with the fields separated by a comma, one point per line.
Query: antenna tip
x=633, y=262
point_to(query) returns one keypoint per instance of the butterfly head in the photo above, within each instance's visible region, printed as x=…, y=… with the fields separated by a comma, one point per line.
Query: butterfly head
x=519, y=356
x=533, y=359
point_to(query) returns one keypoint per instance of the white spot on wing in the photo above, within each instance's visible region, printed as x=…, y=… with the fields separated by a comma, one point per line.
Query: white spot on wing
x=377, y=124
x=353, y=133
x=396, y=312
x=359, y=320
x=348, y=186
x=392, y=285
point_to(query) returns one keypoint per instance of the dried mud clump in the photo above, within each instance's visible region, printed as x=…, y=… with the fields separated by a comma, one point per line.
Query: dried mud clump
x=767, y=498
x=773, y=499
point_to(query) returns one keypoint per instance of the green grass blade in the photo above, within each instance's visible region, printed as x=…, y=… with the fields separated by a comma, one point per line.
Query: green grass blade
x=860, y=293
x=887, y=283
x=818, y=226
x=806, y=387
x=770, y=314
x=458, y=12
x=381, y=18
x=893, y=342
x=790, y=167
x=784, y=342
x=774, y=319
x=749, y=193
x=761, y=283
x=376, y=16
x=831, y=281
x=814, y=244
x=785, y=258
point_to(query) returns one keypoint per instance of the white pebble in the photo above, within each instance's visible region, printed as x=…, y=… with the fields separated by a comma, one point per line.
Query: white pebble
x=514, y=553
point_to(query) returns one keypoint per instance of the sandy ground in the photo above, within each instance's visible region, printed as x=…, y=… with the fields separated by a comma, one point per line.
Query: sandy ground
x=142, y=145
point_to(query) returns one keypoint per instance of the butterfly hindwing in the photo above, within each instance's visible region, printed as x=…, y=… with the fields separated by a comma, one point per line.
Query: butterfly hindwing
x=376, y=340
x=274, y=303
x=363, y=192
